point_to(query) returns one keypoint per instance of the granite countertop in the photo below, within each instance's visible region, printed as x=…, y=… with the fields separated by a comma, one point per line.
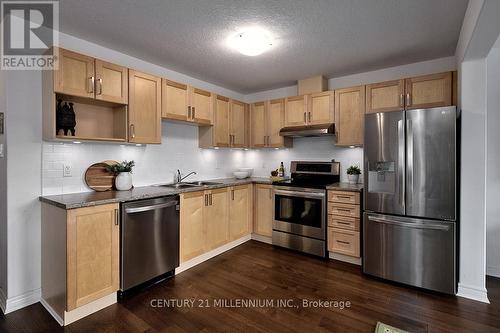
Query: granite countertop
x=345, y=187
x=86, y=199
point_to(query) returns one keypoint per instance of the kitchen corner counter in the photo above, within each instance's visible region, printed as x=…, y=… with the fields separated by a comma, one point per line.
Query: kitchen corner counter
x=345, y=187
x=87, y=199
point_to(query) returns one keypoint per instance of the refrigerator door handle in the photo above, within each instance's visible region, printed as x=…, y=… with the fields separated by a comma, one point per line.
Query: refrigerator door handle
x=409, y=161
x=434, y=226
x=401, y=163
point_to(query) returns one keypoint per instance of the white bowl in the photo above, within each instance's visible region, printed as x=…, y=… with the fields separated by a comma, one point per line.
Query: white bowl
x=240, y=174
x=248, y=170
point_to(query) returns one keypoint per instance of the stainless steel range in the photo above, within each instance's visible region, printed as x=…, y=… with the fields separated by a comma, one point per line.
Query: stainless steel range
x=300, y=206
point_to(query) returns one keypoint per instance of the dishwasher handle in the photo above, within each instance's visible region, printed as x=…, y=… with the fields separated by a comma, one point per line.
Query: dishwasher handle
x=151, y=207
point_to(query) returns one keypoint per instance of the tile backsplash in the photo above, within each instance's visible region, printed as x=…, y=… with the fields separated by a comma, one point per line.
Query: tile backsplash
x=179, y=150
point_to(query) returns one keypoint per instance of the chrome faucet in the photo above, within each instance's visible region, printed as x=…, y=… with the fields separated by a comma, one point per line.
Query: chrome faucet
x=179, y=178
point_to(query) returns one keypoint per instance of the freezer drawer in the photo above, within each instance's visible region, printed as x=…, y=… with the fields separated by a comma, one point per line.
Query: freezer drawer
x=412, y=251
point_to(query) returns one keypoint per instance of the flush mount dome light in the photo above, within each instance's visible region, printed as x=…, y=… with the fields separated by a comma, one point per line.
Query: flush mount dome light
x=251, y=41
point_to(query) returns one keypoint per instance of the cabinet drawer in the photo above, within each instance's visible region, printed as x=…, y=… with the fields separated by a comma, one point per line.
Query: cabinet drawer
x=343, y=209
x=343, y=222
x=344, y=197
x=343, y=241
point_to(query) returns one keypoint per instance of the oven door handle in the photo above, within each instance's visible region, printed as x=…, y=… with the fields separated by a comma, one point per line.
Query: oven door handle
x=300, y=194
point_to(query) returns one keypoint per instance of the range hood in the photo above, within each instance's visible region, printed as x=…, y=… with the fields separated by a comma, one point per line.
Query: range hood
x=309, y=130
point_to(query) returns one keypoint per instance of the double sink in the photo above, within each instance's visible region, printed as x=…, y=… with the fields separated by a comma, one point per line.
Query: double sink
x=190, y=184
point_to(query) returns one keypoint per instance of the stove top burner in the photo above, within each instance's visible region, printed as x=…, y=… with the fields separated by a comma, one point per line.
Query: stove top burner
x=312, y=174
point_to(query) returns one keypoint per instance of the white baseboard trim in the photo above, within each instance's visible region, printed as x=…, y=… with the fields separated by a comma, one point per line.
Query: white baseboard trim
x=21, y=301
x=215, y=252
x=52, y=312
x=493, y=271
x=474, y=293
x=88, y=309
x=263, y=239
x=3, y=300
x=344, y=258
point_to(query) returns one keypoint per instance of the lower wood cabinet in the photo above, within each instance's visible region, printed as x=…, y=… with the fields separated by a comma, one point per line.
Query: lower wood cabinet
x=216, y=216
x=240, y=211
x=192, y=226
x=80, y=255
x=263, y=210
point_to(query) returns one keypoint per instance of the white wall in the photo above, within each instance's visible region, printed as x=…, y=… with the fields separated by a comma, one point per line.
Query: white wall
x=493, y=163
x=473, y=175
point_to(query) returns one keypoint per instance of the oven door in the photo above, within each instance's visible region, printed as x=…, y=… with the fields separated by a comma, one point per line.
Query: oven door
x=300, y=212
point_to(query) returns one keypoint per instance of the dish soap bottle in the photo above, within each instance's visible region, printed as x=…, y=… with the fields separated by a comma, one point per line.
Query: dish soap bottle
x=281, y=170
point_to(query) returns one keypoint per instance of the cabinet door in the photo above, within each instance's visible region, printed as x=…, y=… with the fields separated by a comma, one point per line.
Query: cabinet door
x=263, y=210
x=201, y=106
x=385, y=96
x=93, y=254
x=429, y=91
x=275, y=122
x=221, y=122
x=238, y=130
x=192, y=228
x=217, y=219
x=111, y=82
x=174, y=101
x=75, y=75
x=349, y=115
x=295, y=111
x=258, y=125
x=240, y=212
x=144, y=109
x=320, y=108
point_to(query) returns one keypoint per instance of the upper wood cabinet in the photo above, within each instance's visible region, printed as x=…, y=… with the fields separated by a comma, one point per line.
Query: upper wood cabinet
x=83, y=76
x=144, y=112
x=263, y=220
x=385, y=96
x=266, y=121
x=320, y=108
x=240, y=211
x=93, y=254
x=429, y=91
x=186, y=103
x=426, y=91
x=349, y=115
x=296, y=111
x=221, y=131
x=238, y=124
x=192, y=227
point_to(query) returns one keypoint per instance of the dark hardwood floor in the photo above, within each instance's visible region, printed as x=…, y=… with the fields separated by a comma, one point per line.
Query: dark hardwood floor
x=258, y=271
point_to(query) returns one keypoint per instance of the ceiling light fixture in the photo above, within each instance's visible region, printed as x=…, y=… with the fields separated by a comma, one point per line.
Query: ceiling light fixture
x=251, y=41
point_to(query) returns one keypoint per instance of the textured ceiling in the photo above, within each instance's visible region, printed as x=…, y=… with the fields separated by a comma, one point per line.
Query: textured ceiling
x=336, y=37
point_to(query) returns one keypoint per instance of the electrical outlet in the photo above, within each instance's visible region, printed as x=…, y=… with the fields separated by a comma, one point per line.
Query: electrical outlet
x=67, y=172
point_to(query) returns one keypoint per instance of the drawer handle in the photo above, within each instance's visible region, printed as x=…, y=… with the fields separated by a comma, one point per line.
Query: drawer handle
x=343, y=242
x=343, y=210
x=346, y=223
x=344, y=197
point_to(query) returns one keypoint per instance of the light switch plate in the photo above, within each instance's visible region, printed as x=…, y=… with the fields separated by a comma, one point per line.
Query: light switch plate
x=67, y=170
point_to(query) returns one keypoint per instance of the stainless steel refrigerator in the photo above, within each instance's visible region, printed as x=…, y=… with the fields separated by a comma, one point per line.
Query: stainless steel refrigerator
x=409, y=224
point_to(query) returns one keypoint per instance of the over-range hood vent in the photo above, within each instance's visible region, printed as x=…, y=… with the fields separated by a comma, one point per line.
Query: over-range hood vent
x=308, y=131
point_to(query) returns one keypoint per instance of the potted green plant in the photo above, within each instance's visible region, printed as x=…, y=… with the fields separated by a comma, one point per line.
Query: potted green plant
x=353, y=173
x=123, y=172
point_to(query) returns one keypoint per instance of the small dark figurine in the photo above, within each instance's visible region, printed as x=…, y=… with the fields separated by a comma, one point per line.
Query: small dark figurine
x=65, y=118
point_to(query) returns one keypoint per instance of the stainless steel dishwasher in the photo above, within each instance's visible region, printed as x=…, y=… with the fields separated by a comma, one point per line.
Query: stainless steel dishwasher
x=149, y=241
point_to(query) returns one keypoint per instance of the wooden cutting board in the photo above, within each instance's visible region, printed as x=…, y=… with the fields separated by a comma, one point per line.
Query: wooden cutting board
x=98, y=178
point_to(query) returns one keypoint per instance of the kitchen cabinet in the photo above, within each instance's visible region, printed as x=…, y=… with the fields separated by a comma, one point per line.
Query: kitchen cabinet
x=296, y=111
x=80, y=256
x=263, y=223
x=320, y=108
x=349, y=116
x=144, y=110
x=186, y=103
x=192, y=225
x=216, y=216
x=429, y=91
x=83, y=76
x=238, y=124
x=240, y=211
x=426, y=91
x=267, y=119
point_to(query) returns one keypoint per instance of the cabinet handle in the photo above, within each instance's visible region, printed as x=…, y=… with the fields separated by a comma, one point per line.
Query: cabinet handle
x=91, y=84
x=408, y=99
x=343, y=197
x=309, y=113
x=232, y=195
x=189, y=112
x=132, y=131
x=345, y=223
x=194, y=112
x=116, y=217
x=206, y=199
x=343, y=210
x=99, y=81
x=305, y=117
x=401, y=100
x=343, y=242
x=210, y=199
